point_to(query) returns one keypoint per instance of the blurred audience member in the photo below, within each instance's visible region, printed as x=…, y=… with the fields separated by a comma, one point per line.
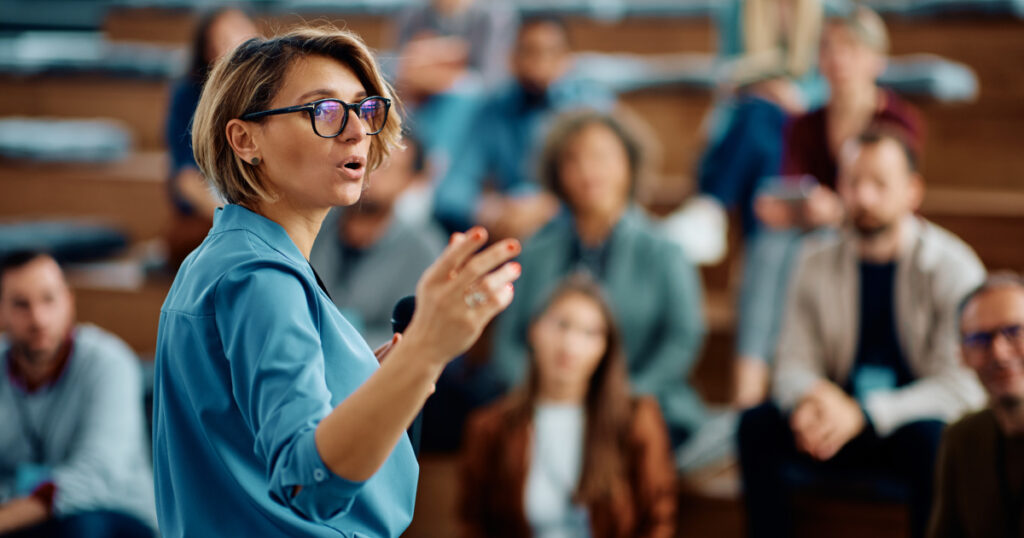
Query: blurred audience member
x=450, y=54
x=490, y=181
x=770, y=48
x=852, y=56
x=591, y=162
x=980, y=485
x=217, y=33
x=73, y=450
x=442, y=40
x=867, y=366
x=569, y=453
x=367, y=256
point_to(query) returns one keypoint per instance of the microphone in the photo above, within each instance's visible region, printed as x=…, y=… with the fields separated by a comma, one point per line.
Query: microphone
x=401, y=315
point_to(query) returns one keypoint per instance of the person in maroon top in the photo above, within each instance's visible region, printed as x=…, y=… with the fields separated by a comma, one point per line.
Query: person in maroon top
x=812, y=140
x=852, y=56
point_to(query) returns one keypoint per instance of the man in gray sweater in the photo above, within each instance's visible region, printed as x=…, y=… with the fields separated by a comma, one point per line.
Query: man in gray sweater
x=73, y=456
x=868, y=369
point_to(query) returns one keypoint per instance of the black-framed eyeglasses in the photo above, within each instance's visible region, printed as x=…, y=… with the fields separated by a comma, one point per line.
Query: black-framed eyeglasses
x=982, y=340
x=329, y=116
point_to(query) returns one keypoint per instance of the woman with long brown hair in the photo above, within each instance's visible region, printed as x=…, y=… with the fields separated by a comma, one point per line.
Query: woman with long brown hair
x=570, y=452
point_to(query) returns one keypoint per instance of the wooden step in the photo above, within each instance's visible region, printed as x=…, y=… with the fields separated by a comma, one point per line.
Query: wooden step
x=130, y=194
x=140, y=104
x=968, y=144
x=436, y=498
x=160, y=25
x=132, y=313
x=990, y=220
x=633, y=34
x=945, y=201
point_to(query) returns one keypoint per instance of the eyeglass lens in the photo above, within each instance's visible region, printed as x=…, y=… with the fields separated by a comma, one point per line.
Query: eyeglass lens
x=329, y=117
x=983, y=340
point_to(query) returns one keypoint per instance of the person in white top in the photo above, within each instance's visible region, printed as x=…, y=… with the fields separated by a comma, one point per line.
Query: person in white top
x=569, y=453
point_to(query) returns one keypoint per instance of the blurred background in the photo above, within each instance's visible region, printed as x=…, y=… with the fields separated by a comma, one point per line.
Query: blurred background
x=86, y=85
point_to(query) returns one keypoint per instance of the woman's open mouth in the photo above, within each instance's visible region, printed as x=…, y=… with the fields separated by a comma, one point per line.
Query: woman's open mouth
x=354, y=167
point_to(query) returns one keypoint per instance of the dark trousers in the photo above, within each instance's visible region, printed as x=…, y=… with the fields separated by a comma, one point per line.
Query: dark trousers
x=768, y=455
x=94, y=524
x=750, y=150
x=462, y=388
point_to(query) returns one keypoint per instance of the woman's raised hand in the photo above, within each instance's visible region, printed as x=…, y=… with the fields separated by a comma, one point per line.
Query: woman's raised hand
x=461, y=293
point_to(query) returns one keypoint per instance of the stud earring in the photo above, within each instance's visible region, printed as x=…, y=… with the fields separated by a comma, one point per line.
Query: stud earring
x=255, y=161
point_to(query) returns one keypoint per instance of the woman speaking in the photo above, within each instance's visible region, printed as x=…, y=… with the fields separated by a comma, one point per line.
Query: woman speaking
x=272, y=416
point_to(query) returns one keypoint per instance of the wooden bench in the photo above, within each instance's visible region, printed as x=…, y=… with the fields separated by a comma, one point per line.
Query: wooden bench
x=130, y=193
x=133, y=315
x=635, y=34
x=140, y=104
x=991, y=221
x=971, y=145
x=130, y=312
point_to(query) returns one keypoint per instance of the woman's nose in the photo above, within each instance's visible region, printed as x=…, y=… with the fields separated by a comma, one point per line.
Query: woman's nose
x=354, y=130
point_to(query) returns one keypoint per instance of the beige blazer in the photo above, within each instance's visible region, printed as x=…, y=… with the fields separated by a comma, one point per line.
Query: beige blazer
x=818, y=338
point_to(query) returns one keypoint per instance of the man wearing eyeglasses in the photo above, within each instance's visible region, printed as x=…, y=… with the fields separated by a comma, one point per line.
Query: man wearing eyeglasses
x=980, y=488
x=867, y=371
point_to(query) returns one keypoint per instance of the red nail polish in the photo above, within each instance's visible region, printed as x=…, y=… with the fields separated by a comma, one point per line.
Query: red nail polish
x=477, y=234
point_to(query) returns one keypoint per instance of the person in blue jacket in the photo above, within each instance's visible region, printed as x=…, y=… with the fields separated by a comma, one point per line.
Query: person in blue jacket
x=272, y=416
x=491, y=178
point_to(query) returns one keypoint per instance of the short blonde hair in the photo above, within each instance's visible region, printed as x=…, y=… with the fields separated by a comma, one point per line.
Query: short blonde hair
x=867, y=26
x=248, y=79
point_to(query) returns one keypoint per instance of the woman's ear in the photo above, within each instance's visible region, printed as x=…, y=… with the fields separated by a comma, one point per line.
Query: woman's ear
x=532, y=336
x=916, y=191
x=881, y=64
x=241, y=137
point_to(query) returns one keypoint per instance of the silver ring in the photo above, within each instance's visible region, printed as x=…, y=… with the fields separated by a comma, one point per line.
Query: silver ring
x=475, y=299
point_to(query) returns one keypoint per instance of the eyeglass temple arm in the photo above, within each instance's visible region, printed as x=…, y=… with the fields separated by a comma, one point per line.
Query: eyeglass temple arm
x=286, y=110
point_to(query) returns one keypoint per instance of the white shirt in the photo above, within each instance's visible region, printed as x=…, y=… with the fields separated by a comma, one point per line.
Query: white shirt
x=556, y=460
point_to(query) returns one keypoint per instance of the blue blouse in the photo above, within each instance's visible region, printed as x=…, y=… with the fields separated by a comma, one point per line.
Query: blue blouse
x=251, y=355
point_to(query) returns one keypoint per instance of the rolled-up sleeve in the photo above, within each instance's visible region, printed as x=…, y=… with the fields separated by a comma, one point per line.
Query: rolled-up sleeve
x=268, y=321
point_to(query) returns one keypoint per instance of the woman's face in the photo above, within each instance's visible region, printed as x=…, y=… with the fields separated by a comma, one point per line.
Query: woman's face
x=569, y=340
x=230, y=29
x=302, y=168
x=594, y=171
x=846, y=61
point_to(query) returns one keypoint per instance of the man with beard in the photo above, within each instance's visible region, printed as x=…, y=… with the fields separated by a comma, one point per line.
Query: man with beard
x=980, y=488
x=73, y=456
x=867, y=371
